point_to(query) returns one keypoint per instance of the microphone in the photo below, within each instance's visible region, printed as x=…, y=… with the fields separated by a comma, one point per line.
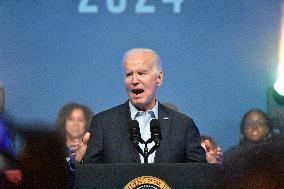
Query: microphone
x=155, y=129
x=134, y=131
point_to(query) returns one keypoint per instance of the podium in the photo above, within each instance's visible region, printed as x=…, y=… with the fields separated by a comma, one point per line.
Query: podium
x=177, y=176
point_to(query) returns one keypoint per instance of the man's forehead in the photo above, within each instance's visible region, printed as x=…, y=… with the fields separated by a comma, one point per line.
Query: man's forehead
x=143, y=57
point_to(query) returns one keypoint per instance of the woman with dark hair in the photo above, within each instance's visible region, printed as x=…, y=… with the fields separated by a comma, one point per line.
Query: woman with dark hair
x=255, y=127
x=257, y=158
x=72, y=121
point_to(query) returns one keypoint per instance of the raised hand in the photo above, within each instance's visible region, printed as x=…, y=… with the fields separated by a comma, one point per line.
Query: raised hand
x=213, y=155
x=78, y=148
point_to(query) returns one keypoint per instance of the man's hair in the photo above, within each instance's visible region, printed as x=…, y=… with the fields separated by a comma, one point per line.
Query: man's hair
x=157, y=61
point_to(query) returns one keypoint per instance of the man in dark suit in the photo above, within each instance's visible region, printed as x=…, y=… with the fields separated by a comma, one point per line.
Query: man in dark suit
x=108, y=140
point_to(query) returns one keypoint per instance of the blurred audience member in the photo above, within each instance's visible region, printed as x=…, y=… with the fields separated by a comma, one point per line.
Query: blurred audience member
x=213, y=153
x=256, y=161
x=10, y=175
x=6, y=145
x=256, y=129
x=258, y=167
x=72, y=122
x=43, y=160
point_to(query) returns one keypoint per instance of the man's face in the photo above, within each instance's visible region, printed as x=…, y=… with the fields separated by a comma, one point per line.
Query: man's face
x=141, y=79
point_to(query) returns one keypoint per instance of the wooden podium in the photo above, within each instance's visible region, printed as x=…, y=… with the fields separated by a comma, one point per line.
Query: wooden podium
x=177, y=176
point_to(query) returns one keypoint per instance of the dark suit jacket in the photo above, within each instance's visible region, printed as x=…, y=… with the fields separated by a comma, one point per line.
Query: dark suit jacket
x=110, y=143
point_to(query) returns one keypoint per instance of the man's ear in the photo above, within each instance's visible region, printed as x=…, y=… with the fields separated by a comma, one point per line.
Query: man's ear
x=160, y=77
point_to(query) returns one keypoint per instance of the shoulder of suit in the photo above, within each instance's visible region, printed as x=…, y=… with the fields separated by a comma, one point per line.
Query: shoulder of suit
x=174, y=114
x=113, y=110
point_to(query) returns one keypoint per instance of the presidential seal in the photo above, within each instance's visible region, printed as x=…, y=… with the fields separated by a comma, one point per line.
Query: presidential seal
x=146, y=182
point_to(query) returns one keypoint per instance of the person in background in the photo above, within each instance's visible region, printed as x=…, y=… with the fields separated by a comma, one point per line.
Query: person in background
x=6, y=144
x=72, y=121
x=254, y=156
x=42, y=159
x=256, y=129
x=10, y=174
x=260, y=166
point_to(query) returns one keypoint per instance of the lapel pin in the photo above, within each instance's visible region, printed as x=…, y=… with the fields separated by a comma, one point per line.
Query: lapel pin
x=166, y=118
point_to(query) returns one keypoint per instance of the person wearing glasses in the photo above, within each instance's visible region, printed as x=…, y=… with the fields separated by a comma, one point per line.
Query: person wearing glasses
x=255, y=128
x=257, y=161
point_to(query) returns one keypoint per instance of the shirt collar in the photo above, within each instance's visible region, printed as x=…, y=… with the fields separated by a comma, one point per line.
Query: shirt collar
x=133, y=110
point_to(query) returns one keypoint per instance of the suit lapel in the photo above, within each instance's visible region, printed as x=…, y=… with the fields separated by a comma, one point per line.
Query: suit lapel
x=165, y=120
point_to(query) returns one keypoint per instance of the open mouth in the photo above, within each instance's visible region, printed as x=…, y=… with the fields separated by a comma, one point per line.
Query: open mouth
x=137, y=91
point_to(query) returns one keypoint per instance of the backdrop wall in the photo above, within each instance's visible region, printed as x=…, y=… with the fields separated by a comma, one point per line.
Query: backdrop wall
x=219, y=57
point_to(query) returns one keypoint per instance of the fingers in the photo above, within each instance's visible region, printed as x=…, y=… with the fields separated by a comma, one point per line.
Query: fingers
x=219, y=151
x=219, y=155
x=208, y=145
x=73, y=149
x=214, y=155
x=75, y=145
x=78, y=148
x=86, y=138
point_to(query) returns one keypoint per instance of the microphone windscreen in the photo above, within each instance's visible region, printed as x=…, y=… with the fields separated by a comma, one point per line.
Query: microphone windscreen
x=154, y=123
x=133, y=124
x=134, y=131
x=155, y=129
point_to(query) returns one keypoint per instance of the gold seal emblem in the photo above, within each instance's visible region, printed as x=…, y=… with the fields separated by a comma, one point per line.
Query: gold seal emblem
x=147, y=182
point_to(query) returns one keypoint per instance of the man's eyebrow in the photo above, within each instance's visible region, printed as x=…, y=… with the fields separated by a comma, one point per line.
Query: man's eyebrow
x=143, y=70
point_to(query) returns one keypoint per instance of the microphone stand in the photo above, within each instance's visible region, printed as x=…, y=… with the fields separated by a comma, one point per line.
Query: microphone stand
x=146, y=152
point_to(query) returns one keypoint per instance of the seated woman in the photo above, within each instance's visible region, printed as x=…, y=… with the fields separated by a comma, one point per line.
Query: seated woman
x=72, y=122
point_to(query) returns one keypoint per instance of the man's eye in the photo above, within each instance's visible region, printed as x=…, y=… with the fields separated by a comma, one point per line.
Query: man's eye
x=128, y=76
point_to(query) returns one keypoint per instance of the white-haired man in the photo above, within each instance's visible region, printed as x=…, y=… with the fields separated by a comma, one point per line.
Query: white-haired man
x=108, y=140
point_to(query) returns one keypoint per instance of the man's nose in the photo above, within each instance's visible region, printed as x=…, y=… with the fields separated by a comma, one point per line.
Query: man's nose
x=135, y=79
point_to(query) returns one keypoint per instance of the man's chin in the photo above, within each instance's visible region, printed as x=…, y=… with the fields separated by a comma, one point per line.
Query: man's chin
x=138, y=103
